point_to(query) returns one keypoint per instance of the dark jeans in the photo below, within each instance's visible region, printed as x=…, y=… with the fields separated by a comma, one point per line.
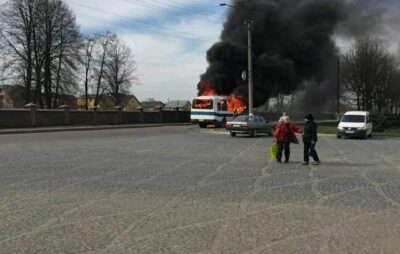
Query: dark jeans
x=281, y=146
x=309, y=150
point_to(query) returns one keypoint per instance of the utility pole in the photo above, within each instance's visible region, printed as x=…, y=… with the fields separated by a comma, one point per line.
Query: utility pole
x=338, y=88
x=249, y=24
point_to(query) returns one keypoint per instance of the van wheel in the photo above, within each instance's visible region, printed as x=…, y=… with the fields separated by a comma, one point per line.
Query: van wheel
x=338, y=136
x=233, y=134
x=365, y=135
x=370, y=135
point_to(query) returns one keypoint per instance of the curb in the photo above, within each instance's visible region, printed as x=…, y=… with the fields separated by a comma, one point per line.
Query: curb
x=85, y=128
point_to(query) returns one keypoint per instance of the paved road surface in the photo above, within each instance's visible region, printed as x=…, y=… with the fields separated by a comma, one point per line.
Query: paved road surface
x=187, y=190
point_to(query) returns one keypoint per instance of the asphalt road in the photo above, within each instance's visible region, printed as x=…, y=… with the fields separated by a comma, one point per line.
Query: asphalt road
x=190, y=190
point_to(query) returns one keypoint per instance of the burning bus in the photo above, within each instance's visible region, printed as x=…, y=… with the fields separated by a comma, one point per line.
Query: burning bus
x=215, y=110
x=210, y=110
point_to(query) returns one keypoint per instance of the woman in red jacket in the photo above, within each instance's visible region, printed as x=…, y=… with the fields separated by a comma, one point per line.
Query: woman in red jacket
x=284, y=135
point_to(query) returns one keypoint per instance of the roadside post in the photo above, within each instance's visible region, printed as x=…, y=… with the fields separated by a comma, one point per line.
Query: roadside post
x=65, y=107
x=32, y=115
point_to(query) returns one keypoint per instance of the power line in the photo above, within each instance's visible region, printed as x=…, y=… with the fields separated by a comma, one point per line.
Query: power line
x=159, y=6
x=179, y=6
x=119, y=24
x=188, y=36
x=184, y=9
x=191, y=7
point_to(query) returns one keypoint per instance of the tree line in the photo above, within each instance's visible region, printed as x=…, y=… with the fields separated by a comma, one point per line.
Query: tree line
x=371, y=77
x=43, y=51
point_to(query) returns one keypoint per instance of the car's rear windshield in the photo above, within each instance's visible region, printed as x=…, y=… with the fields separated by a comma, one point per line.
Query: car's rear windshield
x=202, y=104
x=244, y=119
x=353, y=119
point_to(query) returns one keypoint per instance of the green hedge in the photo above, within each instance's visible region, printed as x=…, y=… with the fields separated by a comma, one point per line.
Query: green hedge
x=383, y=122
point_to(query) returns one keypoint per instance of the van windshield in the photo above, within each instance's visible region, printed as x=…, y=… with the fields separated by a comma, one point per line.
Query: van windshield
x=353, y=119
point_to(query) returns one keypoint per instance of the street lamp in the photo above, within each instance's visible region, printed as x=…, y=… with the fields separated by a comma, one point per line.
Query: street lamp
x=224, y=4
x=249, y=26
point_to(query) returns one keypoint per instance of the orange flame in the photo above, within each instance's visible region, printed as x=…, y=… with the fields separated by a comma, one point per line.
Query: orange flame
x=203, y=104
x=207, y=90
x=236, y=103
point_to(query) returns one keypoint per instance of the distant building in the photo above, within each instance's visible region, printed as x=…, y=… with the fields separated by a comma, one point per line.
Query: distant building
x=70, y=100
x=152, y=105
x=11, y=97
x=129, y=102
x=181, y=105
x=81, y=101
x=14, y=97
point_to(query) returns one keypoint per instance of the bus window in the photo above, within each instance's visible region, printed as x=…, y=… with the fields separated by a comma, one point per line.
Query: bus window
x=202, y=104
x=224, y=106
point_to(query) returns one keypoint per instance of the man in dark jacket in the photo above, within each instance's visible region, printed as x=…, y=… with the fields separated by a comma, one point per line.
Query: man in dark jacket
x=310, y=140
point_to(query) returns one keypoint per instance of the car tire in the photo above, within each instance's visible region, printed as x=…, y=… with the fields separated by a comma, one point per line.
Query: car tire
x=233, y=134
x=202, y=125
x=338, y=136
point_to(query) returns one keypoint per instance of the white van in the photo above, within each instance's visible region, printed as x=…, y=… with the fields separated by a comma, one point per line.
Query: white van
x=355, y=124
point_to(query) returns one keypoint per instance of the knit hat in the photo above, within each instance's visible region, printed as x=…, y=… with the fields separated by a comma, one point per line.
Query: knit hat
x=309, y=117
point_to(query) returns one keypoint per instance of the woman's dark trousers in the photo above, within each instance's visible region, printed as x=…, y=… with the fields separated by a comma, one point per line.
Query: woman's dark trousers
x=309, y=150
x=281, y=147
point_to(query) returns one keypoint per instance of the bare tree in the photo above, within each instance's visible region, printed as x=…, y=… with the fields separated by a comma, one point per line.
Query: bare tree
x=41, y=36
x=17, y=20
x=66, y=51
x=394, y=94
x=87, y=61
x=120, y=69
x=103, y=41
x=369, y=71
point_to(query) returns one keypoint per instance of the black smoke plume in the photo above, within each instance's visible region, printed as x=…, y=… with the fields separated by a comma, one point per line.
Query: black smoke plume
x=293, y=46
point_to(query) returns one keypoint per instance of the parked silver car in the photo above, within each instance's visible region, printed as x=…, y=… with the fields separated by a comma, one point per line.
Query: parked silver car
x=252, y=125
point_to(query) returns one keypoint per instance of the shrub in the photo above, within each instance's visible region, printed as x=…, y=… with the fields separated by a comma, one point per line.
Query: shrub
x=378, y=128
x=385, y=121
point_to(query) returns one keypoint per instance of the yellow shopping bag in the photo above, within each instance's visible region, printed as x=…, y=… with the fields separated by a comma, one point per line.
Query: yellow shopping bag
x=274, y=151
